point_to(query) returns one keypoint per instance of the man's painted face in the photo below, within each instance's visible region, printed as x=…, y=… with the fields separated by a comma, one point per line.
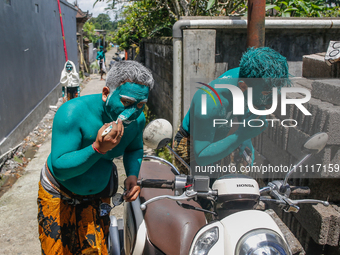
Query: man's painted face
x=262, y=96
x=69, y=67
x=127, y=102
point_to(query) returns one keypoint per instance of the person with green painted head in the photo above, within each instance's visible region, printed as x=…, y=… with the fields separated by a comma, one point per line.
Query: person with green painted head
x=101, y=61
x=79, y=173
x=210, y=141
x=70, y=81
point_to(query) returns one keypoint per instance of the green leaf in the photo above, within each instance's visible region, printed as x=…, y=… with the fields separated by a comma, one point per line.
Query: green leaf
x=210, y=4
x=304, y=7
x=291, y=9
x=283, y=2
x=316, y=7
x=96, y=2
x=270, y=6
x=286, y=14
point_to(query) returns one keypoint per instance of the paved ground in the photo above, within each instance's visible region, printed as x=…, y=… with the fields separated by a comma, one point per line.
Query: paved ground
x=18, y=207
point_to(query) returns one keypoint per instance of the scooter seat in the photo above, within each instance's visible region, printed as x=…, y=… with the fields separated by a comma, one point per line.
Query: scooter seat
x=170, y=228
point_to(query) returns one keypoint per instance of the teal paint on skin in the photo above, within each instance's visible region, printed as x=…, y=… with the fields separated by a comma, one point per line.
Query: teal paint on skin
x=69, y=67
x=73, y=161
x=114, y=107
x=213, y=144
x=259, y=99
x=101, y=54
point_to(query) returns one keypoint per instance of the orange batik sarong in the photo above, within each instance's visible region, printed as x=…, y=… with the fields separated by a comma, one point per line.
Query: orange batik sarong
x=71, y=229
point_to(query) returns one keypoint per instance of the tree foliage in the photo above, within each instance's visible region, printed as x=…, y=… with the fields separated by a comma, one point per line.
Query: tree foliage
x=147, y=18
x=103, y=22
x=89, y=31
x=300, y=8
x=143, y=19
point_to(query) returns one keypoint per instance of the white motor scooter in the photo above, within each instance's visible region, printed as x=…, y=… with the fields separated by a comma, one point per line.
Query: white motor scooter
x=167, y=219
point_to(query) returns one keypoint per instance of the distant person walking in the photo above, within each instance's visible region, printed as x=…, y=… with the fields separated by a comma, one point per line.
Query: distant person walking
x=101, y=62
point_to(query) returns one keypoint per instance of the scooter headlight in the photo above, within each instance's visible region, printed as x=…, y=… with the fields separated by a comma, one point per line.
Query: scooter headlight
x=262, y=242
x=205, y=242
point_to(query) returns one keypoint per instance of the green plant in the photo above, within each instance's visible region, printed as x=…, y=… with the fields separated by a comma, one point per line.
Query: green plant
x=300, y=8
x=332, y=12
x=164, y=153
x=81, y=75
x=149, y=116
x=89, y=31
x=94, y=66
x=143, y=19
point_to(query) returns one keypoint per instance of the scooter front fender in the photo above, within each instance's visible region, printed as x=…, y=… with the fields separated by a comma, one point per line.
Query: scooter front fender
x=134, y=228
x=232, y=228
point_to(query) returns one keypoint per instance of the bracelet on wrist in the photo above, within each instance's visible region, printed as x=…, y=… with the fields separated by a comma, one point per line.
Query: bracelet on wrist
x=95, y=149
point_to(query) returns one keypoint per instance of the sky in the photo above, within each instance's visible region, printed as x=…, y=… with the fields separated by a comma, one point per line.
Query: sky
x=87, y=5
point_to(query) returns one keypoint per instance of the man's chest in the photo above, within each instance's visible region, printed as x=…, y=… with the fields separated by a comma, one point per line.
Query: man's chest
x=89, y=135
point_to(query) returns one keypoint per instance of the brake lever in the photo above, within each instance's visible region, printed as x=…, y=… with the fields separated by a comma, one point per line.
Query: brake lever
x=185, y=196
x=290, y=206
x=310, y=201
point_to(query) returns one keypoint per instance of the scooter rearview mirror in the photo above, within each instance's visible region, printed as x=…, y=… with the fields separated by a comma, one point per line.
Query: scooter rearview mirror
x=105, y=209
x=312, y=146
x=315, y=143
x=157, y=134
x=117, y=199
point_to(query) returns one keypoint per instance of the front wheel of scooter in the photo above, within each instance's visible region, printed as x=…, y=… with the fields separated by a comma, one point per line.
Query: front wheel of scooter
x=113, y=240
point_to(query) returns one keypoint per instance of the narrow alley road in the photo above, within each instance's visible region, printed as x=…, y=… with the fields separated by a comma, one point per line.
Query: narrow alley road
x=18, y=206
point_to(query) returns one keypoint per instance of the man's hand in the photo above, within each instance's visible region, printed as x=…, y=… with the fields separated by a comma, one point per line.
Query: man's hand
x=112, y=139
x=132, y=189
x=248, y=144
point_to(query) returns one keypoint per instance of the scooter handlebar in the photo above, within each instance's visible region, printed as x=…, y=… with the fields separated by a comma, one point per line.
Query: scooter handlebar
x=185, y=196
x=156, y=183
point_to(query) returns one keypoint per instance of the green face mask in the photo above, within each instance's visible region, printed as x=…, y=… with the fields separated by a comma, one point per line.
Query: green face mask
x=127, y=102
x=69, y=67
x=261, y=95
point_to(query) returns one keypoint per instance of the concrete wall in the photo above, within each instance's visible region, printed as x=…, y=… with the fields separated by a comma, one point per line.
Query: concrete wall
x=156, y=54
x=32, y=57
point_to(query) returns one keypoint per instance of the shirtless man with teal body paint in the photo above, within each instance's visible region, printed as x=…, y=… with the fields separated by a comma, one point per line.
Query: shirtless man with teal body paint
x=262, y=69
x=81, y=156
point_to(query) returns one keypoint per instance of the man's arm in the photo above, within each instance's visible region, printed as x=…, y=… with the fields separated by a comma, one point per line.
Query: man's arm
x=68, y=158
x=206, y=149
x=133, y=154
x=132, y=160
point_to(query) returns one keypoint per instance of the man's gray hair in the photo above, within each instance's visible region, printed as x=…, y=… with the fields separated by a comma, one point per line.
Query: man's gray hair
x=128, y=71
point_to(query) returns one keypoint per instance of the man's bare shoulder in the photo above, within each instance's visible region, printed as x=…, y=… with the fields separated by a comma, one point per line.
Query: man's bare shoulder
x=75, y=110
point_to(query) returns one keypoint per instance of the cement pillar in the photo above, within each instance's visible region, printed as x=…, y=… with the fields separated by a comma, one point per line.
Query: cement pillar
x=199, y=49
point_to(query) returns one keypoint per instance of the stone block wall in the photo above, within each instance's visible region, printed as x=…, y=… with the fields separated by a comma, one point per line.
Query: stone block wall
x=317, y=227
x=314, y=66
x=156, y=54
